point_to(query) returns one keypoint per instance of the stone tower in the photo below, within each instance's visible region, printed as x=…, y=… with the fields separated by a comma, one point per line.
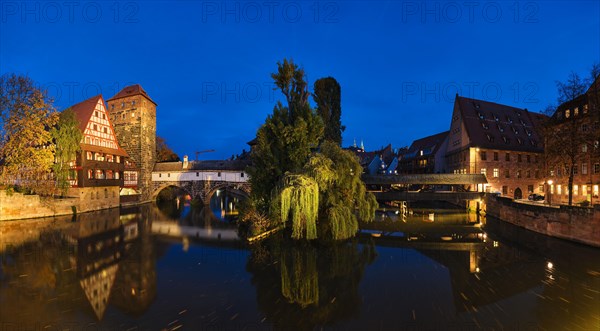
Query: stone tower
x=133, y=115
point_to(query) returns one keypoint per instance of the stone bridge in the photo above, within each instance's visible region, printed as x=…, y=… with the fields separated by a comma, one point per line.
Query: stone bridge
x=201, y=179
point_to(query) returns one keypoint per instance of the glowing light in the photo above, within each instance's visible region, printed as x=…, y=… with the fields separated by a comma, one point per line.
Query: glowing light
x=132, y=291
x=477, y=269
x=550, y=265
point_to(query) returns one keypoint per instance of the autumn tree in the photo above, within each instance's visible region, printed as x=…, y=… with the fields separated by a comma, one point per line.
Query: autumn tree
x=26, y=145
x=67, y=137
x=163, y=152
x=327, y=96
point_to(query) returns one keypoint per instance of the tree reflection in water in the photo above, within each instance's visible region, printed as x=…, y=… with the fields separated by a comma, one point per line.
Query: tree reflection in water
x=302, y=285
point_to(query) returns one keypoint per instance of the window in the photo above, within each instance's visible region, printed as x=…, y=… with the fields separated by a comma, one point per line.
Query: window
x=528, y=158
x=123, y=116
x=518, y=173
x=218, y=174
x=96, y=114
x=584, y=170
x=110, y=174
x=558, y=189
x=87, y=140
x=575, y=169
x=197, y=174
x=585, y=108
x=596, y=168
x=110, y=158
x=595, y=191
x=518, y=157
x=105, y=129
x=584, y=190
x=495, y=156
x=528, y=173
x=584, y=128
x=506, y=173
x=484, y=171
x=89, y=155
x=567, y=113
x=483, y=156
x=242, y=174
x=552, y=189
x=103, y=116
x=90, y=174
x=505, y=190
x=118, y=159
x=584, y=148
x=575, y=189
x=576, y=111
x=507, y=157
x=537, y=174
x=133, y=103
x=530, y=189
x=95, y=127
x=496, y=173
x=117, y=175
x=122, y=104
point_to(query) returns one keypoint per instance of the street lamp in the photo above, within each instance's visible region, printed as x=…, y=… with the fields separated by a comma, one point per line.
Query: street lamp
x=549, y=192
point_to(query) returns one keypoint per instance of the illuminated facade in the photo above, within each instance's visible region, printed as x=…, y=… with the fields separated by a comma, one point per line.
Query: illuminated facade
x=576, y=124
x=499, y=141
x=101, y=161
x=425, y=155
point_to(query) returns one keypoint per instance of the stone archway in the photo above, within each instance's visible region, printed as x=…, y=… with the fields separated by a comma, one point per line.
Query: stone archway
x=518, y=193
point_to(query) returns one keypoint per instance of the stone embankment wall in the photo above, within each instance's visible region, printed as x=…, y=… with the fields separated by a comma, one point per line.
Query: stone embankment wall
x=19, y=206
x=580, y=224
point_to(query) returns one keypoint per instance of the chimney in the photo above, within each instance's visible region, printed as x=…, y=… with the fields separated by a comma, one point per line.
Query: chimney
x=185, y=161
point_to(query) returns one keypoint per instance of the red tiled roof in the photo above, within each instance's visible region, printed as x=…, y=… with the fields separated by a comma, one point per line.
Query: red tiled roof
x=495, y=126
x=84, y=111
x=130, y=91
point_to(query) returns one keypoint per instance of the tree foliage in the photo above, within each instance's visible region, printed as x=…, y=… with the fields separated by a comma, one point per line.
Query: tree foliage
x=163, y=152
x=327, y=96
x=67, y=137
x=294, y=177
x=284, y=142
x=26, y=143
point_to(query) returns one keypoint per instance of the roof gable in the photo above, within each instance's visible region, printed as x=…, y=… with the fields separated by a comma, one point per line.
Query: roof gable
x=95, y=124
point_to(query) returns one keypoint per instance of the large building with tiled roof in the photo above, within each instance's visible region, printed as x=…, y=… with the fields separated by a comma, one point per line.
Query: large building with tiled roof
x=499, y=141
x=425, y=156
x=133, y=114
x=101, y=161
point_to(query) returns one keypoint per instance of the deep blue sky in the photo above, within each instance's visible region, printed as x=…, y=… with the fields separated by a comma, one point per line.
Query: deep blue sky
x=207, y=63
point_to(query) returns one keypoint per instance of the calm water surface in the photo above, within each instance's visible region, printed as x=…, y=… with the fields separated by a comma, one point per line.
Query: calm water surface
x=183, y=268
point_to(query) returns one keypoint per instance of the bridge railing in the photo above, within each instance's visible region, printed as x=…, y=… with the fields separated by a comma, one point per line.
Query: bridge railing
x=426, y=179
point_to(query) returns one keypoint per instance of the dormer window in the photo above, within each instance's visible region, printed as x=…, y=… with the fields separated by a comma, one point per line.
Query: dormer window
x=520, y=142
x=490, y=138
x=533, y=142
x=133, y=103
x=506, y=141
x=585, y=108
x=509, y=119
x=484, y=125
x=480, y=116
x=528, y=133
x=500, y=128
x=515, y=130
x=523, y=123
x=495, y=117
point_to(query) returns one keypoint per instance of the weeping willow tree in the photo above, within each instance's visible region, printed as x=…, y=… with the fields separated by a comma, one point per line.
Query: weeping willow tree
x=296, y=176
x=300, y=202
x=299, y=276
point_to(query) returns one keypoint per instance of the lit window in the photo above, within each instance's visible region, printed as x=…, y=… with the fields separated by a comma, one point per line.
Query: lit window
x=110, y=174
x=576, y=111
x=595, y=191
x=584, y=148
x=567, y=113
x=117, y=175
x=552, y=189
x=484, y=171
x=496, y=173
x=575, y=189
x=89, y=155
x=90, y=173
x=584, y=190
x=559, y=189
x=99, y=174
x=585, y=108
x=87, y=140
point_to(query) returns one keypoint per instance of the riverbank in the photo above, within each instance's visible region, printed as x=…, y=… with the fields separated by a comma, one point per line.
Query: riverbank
x=574, y=223
x=16, y=206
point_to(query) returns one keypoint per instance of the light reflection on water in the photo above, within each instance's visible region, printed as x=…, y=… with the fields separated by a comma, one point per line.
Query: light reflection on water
x=149, y=269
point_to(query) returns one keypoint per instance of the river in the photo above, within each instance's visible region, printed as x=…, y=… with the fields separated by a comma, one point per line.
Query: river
x=182, y=267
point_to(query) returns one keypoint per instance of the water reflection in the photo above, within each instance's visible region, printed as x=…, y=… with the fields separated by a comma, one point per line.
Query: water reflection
x=140, y=268
x=301, y=286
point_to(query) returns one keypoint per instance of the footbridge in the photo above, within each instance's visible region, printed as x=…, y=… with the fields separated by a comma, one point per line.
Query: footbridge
x=201, y=179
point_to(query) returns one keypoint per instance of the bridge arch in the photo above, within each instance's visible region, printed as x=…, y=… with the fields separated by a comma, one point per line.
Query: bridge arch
x=160, y=188
x=240, y=189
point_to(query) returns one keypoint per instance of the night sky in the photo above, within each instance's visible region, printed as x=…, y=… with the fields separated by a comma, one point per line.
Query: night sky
x=208, y=63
